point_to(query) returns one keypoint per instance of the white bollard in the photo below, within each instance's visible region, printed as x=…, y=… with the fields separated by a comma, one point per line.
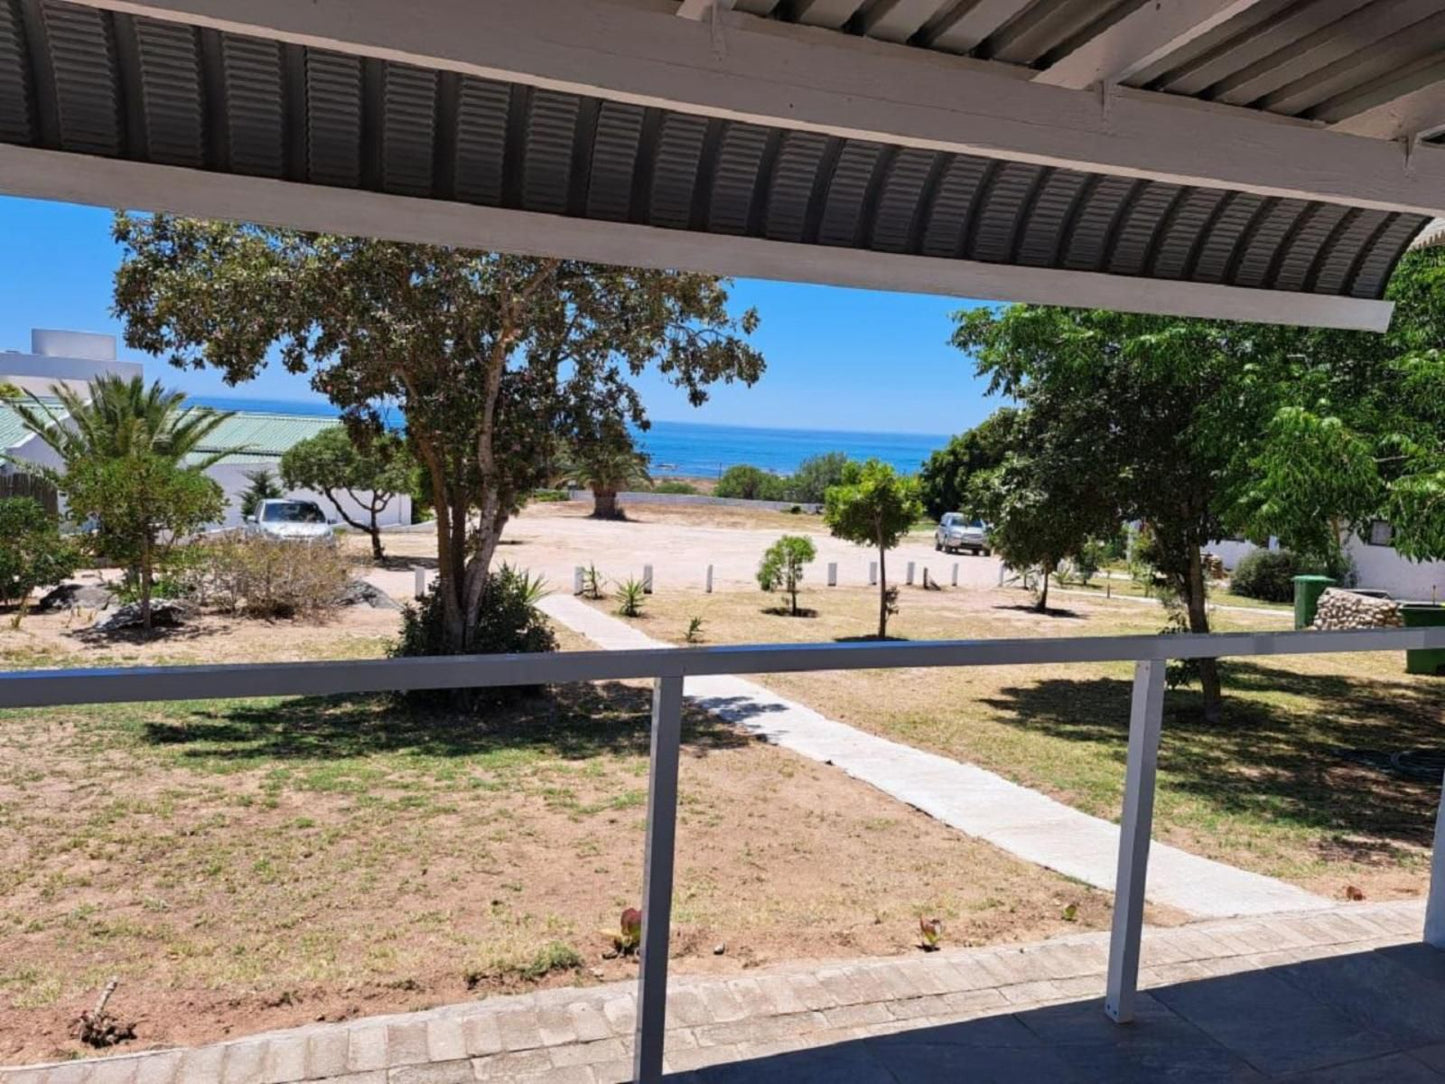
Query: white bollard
x=832, y=573
x=420, y=582
x=579, y=576
x=709, y=579
x=1001, y=567
x=955, y=573
x=909, y=581
x=647, y=579
x=872, y=573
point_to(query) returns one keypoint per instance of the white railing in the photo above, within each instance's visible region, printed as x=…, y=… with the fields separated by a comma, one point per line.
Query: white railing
x=670, y=667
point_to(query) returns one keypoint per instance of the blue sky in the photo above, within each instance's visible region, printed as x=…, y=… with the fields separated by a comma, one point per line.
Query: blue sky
x=837, y=359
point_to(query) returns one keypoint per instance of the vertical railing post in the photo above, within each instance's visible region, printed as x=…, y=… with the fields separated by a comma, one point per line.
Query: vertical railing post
x=1435, y=907
x=1145, y=719
x=657, y=879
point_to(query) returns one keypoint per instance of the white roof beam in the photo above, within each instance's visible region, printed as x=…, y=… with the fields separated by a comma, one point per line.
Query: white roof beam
x=965, y=30
x=111, y=182
x=796, y=77
x=1141, y=38
x=1407, y=107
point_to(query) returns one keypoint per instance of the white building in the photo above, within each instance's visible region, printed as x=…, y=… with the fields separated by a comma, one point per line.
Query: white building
x=1376, y=563
x=74, y=358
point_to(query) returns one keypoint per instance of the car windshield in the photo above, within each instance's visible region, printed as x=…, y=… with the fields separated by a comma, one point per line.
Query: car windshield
x=292, y=512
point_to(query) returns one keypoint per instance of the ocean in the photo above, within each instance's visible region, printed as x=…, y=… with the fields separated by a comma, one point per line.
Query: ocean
x=702, y=449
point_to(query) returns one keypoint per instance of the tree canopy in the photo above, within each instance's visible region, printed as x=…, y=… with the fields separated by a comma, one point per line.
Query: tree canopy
x=32, y=552
x=370, y=469
x=874, y=506
x=955, y=478
x=782, y=566
x=492, y=358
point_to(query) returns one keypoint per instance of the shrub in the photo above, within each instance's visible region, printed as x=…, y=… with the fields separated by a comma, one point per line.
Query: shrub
x=510, y=622
x=631, y=596
x=1267, y=575
x=685, y=488
x=32, y=551
x=261, y=576
x=548, y=496
x=815, y=475
x=750, y=483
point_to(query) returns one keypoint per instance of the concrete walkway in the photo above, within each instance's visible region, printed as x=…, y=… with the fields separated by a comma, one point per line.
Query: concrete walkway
x=1346, y=995
x=1021, y=821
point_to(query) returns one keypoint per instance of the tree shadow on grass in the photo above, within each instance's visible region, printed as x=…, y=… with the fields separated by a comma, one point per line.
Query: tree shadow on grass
x=1312, y=751
x=573, y=722
x=1052, y=611
x=870, y=638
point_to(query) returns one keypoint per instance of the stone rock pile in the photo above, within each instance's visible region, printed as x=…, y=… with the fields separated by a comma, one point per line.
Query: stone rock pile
x=1340, y=609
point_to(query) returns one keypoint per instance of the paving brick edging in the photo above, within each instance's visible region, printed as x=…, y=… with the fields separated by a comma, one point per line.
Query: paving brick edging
x=585, y=1035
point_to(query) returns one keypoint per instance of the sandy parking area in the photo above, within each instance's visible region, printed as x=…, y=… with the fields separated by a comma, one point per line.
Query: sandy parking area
x=679, y=544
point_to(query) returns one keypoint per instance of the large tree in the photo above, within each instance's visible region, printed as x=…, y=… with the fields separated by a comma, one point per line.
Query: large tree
x=607, y=463
x=492, y=358
x=1205, y=429
x=371, y=470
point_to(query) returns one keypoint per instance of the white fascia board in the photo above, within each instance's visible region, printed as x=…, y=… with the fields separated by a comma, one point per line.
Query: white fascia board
x=114, y=182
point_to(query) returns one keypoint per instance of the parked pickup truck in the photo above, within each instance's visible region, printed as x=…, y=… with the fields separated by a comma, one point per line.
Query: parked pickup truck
x=956, y=533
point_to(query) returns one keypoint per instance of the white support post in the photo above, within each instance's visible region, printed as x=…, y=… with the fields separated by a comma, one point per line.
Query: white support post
x=658, y=856
x=910, y=574
x=832, y=573
x=872, y=573
x=647, y=579
x=1145, y=719
x=1002, y=568
x=955, y=573
x=420, y=589
x=1435, y=908
x=709, y=579
x=578, y=578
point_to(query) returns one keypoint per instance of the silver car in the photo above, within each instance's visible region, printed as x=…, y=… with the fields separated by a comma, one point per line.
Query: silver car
x=956, y=533
x=297, y=520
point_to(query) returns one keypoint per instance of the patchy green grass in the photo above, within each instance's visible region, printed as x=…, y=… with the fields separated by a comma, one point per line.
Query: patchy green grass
x=1295, y=782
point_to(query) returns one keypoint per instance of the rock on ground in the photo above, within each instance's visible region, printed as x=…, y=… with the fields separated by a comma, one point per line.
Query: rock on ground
x=165, y=613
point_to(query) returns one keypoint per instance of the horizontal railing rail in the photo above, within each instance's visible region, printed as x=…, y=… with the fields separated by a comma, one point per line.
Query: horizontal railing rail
x=41, y=688
x=668, y=667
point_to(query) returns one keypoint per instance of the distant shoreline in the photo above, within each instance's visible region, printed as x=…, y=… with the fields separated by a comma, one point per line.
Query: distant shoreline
x=697, y=451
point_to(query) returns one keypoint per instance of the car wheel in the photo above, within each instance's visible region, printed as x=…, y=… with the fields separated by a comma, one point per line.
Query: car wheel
x=937, y=546
x=988, y=553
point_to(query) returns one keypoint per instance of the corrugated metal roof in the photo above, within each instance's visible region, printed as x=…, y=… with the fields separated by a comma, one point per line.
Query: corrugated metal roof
x=263, y=436
x=104, y=82
x=12, y=429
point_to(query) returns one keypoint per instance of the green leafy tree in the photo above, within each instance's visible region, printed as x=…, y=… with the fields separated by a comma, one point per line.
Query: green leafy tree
x=782, y=566
x=607, y=464
x=955, y=478
x=874, y=506
x=749, y=483
x=261, y=485
x=33, y=552
x=1204, y=430
x=371, y=469
x=494, y=359
x=809, y=483
x=132, y=460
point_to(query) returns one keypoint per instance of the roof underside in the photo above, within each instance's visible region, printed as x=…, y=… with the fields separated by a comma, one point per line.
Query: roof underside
x=85, y=80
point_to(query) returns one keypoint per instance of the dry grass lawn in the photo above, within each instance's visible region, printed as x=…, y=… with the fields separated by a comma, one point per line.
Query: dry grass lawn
x=1297, y=782
x=245, y=865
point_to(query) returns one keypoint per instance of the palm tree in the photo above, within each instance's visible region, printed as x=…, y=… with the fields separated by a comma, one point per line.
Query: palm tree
x=117, y=417
x=605, y=468
x=123, y=427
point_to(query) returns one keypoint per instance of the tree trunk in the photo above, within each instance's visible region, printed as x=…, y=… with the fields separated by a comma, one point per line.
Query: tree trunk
x=377, y=553
x=1043, y=604
x=793, y=591
x=1194, y=602
x=604, y=503
x=882, y=592
x=145, y=584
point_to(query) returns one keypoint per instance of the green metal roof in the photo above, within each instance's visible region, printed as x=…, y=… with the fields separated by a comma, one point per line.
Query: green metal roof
x=262, y=436
x=12, y=429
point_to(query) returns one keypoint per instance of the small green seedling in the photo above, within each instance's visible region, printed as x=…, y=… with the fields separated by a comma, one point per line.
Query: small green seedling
x=694, y=630
x=631, y=596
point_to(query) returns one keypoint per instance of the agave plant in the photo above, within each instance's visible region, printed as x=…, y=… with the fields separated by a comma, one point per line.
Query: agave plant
x=631, y=595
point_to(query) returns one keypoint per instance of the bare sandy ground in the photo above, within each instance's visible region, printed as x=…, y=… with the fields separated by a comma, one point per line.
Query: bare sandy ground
x=552, y=539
